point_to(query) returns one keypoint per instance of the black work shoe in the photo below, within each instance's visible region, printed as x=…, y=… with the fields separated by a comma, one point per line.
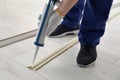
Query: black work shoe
x=63, y=30
x=86, y=55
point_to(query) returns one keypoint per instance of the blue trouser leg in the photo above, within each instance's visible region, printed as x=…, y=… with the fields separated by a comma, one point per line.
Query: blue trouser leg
x=94, y=20
x=73, y=17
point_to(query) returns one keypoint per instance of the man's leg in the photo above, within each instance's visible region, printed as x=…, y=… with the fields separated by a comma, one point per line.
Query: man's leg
x=92, y=28
x=72, y=18
x=70, y=23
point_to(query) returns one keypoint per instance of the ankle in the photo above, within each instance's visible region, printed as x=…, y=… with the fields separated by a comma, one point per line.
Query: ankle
x=59, y=12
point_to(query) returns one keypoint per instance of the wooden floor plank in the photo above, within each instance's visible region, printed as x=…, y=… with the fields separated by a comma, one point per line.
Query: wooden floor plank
x=59, y=70
x=18, y=17
x=10, y=70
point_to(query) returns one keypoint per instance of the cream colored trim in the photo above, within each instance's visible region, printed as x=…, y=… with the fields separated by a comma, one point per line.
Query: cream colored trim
x=54, y=54
x=17, y=38
x=112, y=17
x=116, y=5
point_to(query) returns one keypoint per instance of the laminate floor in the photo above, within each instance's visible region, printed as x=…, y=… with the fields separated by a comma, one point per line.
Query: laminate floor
x=15, y=57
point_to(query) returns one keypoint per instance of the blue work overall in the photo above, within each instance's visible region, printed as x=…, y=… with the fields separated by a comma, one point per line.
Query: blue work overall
x=94, y=19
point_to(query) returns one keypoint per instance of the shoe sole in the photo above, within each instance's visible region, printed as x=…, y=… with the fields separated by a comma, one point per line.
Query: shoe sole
x=80, y=65
x=66, y=33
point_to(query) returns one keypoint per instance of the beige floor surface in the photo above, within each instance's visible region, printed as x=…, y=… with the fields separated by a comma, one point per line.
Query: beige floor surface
x=15, y=57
